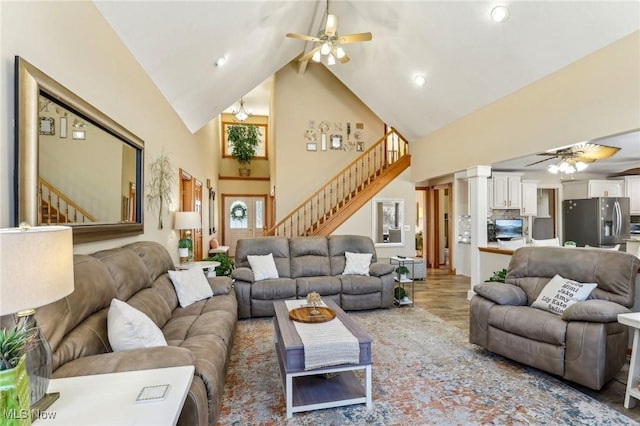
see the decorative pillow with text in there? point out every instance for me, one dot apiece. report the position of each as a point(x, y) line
point(560, 293)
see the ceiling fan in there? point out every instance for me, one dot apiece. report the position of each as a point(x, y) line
point(576, 157)
point(329, 42)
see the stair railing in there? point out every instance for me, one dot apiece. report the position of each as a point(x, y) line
point(57, 208)
point(326, 202)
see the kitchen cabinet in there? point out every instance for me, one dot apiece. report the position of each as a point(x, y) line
point(506, 191)
point(632, 190)
point(529, 199)
point(592, 189)
point(489, 197)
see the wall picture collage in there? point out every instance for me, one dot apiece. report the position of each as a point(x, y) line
point(342, 136)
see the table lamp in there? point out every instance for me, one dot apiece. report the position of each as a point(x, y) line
point(186, 221)
point(36, 268)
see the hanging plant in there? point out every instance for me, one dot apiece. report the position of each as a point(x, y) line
point(238, 212)
point(159, 186)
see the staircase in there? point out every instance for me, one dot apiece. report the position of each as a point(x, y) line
point(349, 190)
point(56, 208)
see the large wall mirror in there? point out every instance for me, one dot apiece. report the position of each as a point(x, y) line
point(75, 165)
point(388, 222)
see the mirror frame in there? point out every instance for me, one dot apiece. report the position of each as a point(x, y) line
point(375, 218)
point(30, 82)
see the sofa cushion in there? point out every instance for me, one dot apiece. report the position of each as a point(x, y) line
point(324, 286)
point(357, 263)
point(277, 246)
point(191, 285)
point(529, 322)
point(360, 284)
point(532, 267)
point(154, 256)
point(220, 285)
point(594, 311)
point(281, 288)
point(560, 293)
point(129, 329)
point(339, 244)
point(129, 272)
point(309, 257)
point(502, 294)
point(263, 267)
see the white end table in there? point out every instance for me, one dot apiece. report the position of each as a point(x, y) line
point(633, 393)
point(110, 399)
point(211, 265)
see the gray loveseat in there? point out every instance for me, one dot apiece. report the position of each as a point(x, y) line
point(308, 264)
point(199, 334)
point(585, 344)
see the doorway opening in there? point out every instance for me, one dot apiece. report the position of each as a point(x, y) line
point(190, 190)
point(438, 247)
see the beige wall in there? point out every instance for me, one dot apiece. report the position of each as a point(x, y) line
point(96, 66)
point(315, 95)
point(596, 96)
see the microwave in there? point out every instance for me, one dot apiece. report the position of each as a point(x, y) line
point(634, 228)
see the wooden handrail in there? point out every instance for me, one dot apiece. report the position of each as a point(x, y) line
point(70, 207)
point(343, 187)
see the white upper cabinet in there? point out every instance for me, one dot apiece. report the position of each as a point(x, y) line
point(593, 189)
point(632, 190)
point(529, 199)
point(506, 191)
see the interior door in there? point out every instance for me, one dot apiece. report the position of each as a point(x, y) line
point(244, 217)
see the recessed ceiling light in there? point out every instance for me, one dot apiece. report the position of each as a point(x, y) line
point(220, 61)
point(420, 80)
point(500, 13)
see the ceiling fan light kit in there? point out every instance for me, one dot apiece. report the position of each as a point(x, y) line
point(576, 158)
point(328, 42)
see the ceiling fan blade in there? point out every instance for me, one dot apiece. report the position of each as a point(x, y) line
point(541, 161)
point(592, 151)
point(303, 37)
point(354, 38)
point(344, 59)
point(309, 54)
point(332, 25)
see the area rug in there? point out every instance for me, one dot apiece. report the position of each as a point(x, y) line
point(424, 373)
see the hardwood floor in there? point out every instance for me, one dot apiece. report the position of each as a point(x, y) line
point(445, 295)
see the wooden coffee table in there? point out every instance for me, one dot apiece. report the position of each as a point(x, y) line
point(307, 390)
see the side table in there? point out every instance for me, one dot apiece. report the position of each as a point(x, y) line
point(633, 393)
point(211, 265)
point(403, 261)
point(110, 399)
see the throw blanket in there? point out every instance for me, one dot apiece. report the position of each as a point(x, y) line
point(327, 343)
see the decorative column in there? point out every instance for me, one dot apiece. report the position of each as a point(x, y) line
point(478, 194)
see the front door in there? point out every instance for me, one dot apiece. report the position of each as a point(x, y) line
point(244, 217)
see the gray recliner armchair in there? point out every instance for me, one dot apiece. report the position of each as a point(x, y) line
point(585, 344)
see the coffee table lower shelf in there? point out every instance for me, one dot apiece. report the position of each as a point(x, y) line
point(311, 390)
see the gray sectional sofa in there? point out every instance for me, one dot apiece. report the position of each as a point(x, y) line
point(585, 344)
point(310, 264)
point(200, 334)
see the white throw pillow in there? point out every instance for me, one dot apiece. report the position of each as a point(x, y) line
point(357, 263)
point(560, 293)
point(129, 329)
point(263, 267)
point(191, 285)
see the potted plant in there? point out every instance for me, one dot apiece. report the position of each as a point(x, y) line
point(244, 142)
point(15, 342)
point(402, 272)
point(498, 276)
point(226, 264)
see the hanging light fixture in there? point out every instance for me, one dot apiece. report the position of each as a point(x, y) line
point(241, 114)
point(567, 166)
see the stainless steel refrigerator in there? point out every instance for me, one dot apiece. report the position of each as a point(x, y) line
point(596, 222)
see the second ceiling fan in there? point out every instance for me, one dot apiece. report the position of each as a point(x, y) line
point(329, 42)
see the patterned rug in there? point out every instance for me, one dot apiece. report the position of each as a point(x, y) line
point(424, 373)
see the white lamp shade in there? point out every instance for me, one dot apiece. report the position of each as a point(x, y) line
point(36, 267)
point(187, 220)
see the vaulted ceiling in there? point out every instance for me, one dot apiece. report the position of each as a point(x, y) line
point(467, 59)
